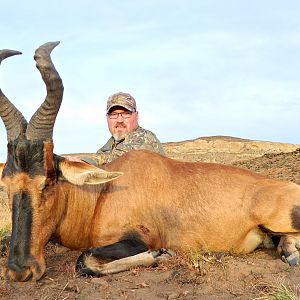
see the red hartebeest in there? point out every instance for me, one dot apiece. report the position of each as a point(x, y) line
point(157, 203)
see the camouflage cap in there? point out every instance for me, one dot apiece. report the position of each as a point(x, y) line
point(121, 99)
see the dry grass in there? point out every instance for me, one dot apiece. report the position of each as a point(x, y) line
point(202, 261)
point(277, 290)
point(198, 261)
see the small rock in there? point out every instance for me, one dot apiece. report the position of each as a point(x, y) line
point(173, 296)
point(99, 281)
point(72, 288)
point(59, 249)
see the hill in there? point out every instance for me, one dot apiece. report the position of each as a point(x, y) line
point(224, 149)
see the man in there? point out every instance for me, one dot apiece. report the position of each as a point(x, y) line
point(122, 120)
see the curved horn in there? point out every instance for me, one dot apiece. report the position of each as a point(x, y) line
point(7, 53)
point(13, 120)
point(42, 122)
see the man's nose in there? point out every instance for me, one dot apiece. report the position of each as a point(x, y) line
point(120, 118)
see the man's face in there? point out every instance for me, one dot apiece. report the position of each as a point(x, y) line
point(121, 121)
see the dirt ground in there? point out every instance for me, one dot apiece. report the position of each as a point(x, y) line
point(207, 276)
point(217, 276)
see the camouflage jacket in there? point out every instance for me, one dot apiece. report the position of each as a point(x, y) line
point(138, 139)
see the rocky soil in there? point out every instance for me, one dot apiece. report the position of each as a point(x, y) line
point(284, 166)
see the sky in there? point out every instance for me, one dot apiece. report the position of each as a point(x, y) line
point(196, 67)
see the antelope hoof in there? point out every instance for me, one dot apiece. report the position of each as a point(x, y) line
point(162, 251)
point(292, 259)
point(81, 267)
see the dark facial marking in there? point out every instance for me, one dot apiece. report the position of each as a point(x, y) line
point(295, 217)
point(21, 233)
point(24, 156)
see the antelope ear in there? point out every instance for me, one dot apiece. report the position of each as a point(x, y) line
point(80, 173)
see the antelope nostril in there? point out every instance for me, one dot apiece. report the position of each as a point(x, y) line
point(29, 276)
point(24, 276)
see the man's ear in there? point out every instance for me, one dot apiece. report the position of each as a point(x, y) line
point(137, 116)
point(80, 173)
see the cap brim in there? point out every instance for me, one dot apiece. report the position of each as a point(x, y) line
point(125, 106)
